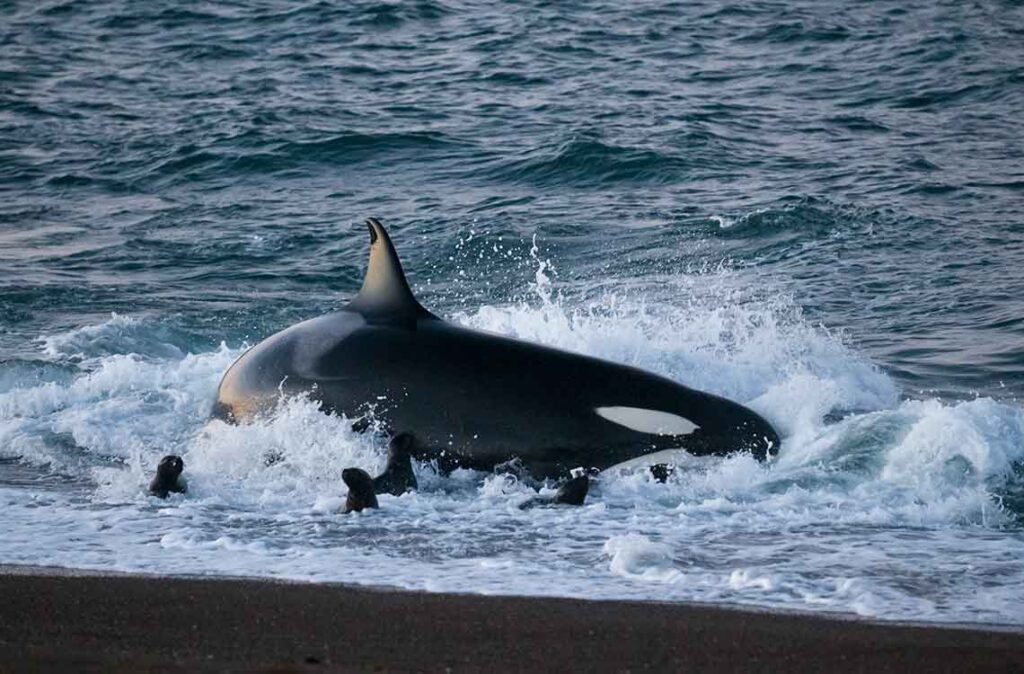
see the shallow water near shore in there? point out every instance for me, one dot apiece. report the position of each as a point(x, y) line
point(812, 210)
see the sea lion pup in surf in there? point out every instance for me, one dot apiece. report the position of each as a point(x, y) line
point(397, 477)
point(168, 477)
point(360, 490)
point(475, 398)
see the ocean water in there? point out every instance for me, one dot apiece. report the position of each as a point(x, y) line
point(814, 208)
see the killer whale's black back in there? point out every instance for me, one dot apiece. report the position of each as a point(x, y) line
point(482, 398)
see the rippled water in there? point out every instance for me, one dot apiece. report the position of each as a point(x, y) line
point(813, 208)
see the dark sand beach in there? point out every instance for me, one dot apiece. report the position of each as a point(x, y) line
point(52, 620)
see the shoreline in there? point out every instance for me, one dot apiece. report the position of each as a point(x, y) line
point(759, 609)
point(57, 619)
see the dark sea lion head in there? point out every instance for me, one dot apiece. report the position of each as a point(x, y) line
point(170, 466)
point(356, 478)
point(574, 491)
point(401, 446)
point(398, 476)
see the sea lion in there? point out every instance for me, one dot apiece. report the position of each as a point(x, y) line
point(168, 477)
point(572, 492)
point(397, 477)
point(360, 490)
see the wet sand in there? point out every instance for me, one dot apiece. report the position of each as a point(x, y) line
point(53, 620)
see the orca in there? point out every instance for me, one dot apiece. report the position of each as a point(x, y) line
point(476, 399)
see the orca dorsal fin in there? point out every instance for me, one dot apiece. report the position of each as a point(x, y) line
point(385, 295)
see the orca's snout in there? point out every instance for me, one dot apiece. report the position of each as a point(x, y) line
point(758, 436)
point(735, 429)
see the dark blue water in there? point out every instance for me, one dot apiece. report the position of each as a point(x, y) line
point(854, 169)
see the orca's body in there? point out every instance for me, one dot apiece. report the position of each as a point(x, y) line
point(482, 399)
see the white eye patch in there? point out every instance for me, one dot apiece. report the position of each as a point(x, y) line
point(643, 420)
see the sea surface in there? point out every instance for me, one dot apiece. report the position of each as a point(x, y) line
point(813, 208)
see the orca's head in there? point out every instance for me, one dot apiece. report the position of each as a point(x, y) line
point(735, 428)
point(757, 436)
point(718, 426)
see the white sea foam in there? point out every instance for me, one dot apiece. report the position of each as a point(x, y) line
point(892, 511)
point(636, 557)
